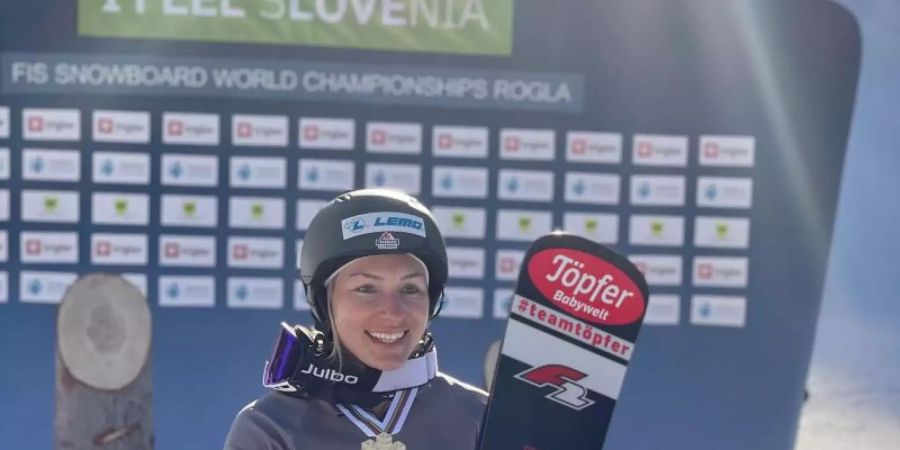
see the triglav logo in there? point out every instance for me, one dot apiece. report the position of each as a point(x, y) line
point(269, 131)
point(4, 122)
point(507, 264)
point(190, 129)
point(385, 137)
point(49, 247)
point(523, 144)
point(119, 249)
point(51, 124)
point(255, 252)
point(466, 262)
point(460, 142)
point(194, 251)
point(660, 150)
point(329, 134)
point(121, 126)
point(594, 147)
point(659, 270)
point(727, 151)
point(715, 271)
point(562, 379)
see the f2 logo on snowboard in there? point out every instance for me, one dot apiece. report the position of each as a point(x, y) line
point(563, 379)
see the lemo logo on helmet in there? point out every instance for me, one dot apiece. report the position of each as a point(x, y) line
point(382, 222)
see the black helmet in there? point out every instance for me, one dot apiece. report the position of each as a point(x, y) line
point(369, 222)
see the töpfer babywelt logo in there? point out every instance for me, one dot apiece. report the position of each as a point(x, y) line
point(586, 287)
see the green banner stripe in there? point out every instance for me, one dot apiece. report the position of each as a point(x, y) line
point(445, 26)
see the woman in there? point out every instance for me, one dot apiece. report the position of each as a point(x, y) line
point(374, 267)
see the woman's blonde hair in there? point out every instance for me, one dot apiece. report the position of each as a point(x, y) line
point(336, 353)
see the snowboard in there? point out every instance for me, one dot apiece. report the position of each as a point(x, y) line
point(574, 319)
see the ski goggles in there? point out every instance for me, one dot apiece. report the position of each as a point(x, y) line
point(297, 365)
point(288, 351)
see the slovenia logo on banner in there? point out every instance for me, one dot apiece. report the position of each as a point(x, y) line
point(445, 26)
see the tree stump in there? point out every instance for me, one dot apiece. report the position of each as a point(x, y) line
point(103, 372)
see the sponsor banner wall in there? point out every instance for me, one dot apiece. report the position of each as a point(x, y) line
point(188, 144)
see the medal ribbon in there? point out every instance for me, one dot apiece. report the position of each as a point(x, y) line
point(393, 420)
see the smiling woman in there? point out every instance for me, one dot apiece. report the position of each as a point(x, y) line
point(373, 266)
point(379, 308)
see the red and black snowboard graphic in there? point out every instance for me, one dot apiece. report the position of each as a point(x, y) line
point(576, 313)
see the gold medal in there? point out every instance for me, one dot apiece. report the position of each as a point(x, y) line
point(380, 430)
point(383, 441)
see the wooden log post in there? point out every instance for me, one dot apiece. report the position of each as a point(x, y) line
point(103, 371)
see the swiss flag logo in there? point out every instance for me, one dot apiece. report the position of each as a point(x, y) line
point(103, 248)
point(579, 146)
point(105, 125)
point(244, 130)
point(445, 141)
point(176, 128)
point(172, 250)
point(379, 137)
point(711, 150)
point(239, 251)
point(32, 247)
point(512, 144)
point(311, 132)
point(645, 149)
point(705, 271)
point(35, 123)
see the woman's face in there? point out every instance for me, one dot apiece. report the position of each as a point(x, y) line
point(380, 308)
